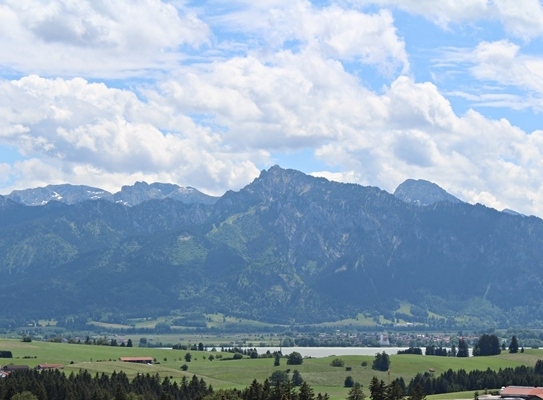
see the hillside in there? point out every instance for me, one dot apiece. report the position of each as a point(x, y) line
point(286, 248)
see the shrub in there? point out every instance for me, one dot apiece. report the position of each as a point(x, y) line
point(184, 367)
point(349, 381)
point(337, 362)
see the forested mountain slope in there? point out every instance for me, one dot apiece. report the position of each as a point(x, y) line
point(287, 247)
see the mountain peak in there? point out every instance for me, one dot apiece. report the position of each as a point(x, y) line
point(423, 193)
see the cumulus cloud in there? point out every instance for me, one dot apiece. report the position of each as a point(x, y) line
point(341, 34)
point(338, 33)
point(90, 128)
point(95, 38)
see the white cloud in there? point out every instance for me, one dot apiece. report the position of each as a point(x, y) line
point(335, 32)
point(342, 34)
point(287, 101)
point(503, 64)
point(523, 19)
point(84, 128)
point(95, 38)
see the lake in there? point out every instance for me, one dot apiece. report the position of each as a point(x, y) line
point(332, 351)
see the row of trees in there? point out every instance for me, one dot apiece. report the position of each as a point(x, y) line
point(489, 345)
point(432, 350)
point(83, 386)
point(458, 381)
point(34, 385)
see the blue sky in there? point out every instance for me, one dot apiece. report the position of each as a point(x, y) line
point(207, 94)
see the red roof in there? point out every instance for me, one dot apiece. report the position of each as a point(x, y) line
point(49, 366)
point(522, 391)
point(136, 359)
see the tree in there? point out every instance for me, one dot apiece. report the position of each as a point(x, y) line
point(295, 358)
point(305, 392)
point(184, 367)
point(377, 389)
point(417, 393)
point(538, 369)
point(278, 378)
point(513, 346)
point(211, 357)
point(463, 349)
point(297, 379)
point(381, 362)
point(356, 393)
point(394, 391)
point(277, 360)
point(120, 394)
point(188, 357)
point(129, 343)
point(349, 382)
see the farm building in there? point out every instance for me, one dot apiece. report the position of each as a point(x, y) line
point(141, 360)
point(49, 366)
point(522, 392)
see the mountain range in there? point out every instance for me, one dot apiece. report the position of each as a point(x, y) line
point(128, 195)
point(286, 248)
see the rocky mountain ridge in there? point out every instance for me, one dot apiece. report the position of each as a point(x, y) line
point(419, 192)
point(128, 195)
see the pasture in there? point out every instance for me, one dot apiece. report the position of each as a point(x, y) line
point(239, 373)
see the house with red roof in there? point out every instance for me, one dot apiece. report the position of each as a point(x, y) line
point(522, 392)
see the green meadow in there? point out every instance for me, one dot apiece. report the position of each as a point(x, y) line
point(239, 373)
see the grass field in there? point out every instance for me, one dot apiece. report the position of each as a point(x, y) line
point(239, 373)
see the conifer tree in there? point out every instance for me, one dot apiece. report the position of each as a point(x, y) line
point(513, 346)
point(463, 349)
point(305, 392)
point(377, 389)
point(356, 393)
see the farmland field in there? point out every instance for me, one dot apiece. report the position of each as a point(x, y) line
point(239, 373)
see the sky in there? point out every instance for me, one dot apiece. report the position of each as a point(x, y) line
point(209, 93)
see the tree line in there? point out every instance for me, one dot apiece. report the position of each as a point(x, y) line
point(53, 384)
point(82, 386)
point(458, 381)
